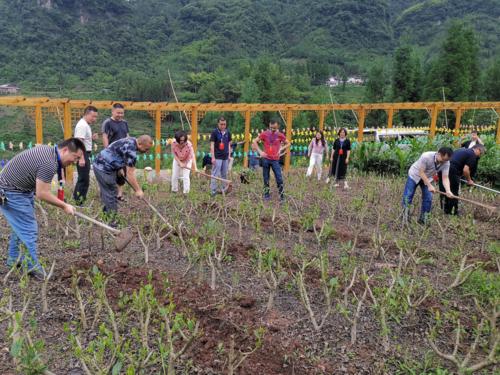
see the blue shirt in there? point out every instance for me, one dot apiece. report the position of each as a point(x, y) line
point(119, 154)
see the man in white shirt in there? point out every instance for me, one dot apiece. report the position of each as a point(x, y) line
point(421, 174)
point(83, 131)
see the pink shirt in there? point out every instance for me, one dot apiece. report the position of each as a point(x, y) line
point(184, 153)
point(317, 148)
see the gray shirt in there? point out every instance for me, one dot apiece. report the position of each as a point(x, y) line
point(430, 165)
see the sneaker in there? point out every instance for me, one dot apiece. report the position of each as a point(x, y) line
point(213, 193)
point(37, 274)
point(327, 180)
point(346, 186)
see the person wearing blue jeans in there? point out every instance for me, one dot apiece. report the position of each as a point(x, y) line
point(421, 173)
point(28, 173)
point(275, 144)
point(267, 165)
point(220, 149)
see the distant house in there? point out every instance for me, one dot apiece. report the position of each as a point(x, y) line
point(9, 88)
point(337, 81)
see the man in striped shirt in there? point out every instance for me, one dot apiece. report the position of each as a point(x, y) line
point(28, 174)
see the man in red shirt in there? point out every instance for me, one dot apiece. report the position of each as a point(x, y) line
point(274, 144)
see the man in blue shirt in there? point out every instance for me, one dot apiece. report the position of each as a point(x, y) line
point(109, 164)
point(220, 149)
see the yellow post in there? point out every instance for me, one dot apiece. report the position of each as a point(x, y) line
point(194, 128)
point(67, 134)
point(458, 115)
point(157, 141)
point(498, 128)
point(361, 123)
point(39, 124)
point(390, 118)
point(289, 120)
point(246, 146)
point(321, 120)
point(434, 116)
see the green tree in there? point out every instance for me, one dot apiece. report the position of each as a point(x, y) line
point(406, 81)
point(375, 93)
point(492, 82)
point(456, 70)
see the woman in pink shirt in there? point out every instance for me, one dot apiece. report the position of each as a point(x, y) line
point(317, 148)
point(183, 158)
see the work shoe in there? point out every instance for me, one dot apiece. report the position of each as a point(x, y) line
point(37, 274)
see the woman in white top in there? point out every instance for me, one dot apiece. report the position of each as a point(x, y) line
point(317, 148)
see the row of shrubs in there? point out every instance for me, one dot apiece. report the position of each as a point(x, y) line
point(395, 159)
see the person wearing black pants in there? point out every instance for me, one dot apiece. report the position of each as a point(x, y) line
point(83, 182)
point(83, 131)
point(462, 163)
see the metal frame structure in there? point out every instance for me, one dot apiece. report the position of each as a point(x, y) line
point(197, 110)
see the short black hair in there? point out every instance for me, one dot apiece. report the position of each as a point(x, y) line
point(73, 144)
point(89, 109)
point(118, 105)
point(180, 134)
point(274, 120)
point(221, 118)
point(446, 151)
point(344, 129)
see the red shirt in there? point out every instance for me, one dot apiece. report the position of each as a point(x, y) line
point(272, 143)
point(182, 153)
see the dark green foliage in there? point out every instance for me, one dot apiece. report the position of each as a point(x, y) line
point(492, 82)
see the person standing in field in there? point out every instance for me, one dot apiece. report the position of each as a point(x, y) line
point(26, 175)
point(317, 148)
point(114, 129)
point(83, 132)
point(422, 173)
point(275, 143)
point(220, 149)
point(339, 158)
point(184, 161)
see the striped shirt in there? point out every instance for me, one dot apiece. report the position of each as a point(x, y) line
point(20, 173)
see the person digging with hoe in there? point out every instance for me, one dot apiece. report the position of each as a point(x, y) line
point(108, 169)
point(27, 175)
point(421, 173)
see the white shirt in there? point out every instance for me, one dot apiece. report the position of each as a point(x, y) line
point(84, 132)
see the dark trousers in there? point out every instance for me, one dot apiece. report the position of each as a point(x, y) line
point(267, 165)
point(450, 206)
point(82, 185)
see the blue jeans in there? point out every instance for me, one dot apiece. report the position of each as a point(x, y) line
point(410, 188)
point(219, 169)
point(19, 211)
point(268, 164)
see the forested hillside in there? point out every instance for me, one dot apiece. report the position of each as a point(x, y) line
point(88, 43)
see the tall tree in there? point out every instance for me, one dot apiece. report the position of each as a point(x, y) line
point(492, 82)
point(456, 70)
point(406, 81)
point(375, 93)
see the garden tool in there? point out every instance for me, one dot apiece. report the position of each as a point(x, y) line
point(153, 208)
point(482, 187)
point(229, 183)
point(123, 237)
point(488, 207)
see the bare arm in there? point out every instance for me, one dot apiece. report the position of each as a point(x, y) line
point(347, 157)
point(212, 151)
point(133, 181)
point(446, 184)
point(467, 175)
point(255, 146)
point(427, 182)
point(105, 140)
point(43, 193)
